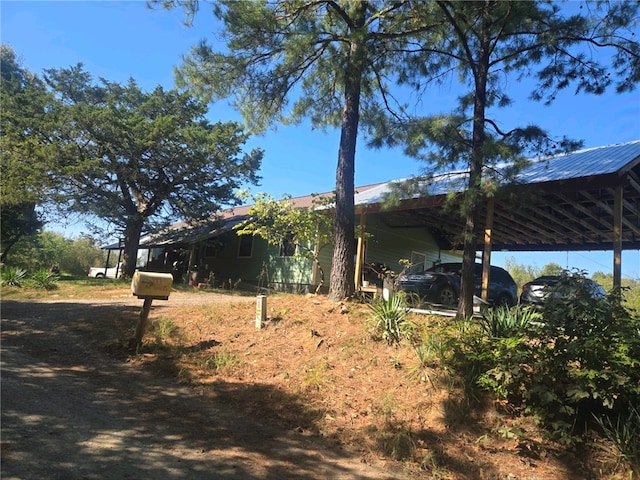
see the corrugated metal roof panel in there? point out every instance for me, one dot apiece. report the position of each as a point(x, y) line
point(583, 163)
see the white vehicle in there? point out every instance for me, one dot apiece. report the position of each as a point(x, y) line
point(101, 272)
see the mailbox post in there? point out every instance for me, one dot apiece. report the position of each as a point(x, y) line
point(149, 286)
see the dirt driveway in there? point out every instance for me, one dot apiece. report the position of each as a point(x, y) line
point(71, 411)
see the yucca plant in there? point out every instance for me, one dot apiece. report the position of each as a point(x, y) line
point(390, 316)
point(503, 321)
point(12, 276)
point(44, 279)
point(624, 433)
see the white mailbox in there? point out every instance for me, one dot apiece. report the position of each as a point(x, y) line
point(151, 285)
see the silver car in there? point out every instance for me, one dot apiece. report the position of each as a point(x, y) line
point(536, 292)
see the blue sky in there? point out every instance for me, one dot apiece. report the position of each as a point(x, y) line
point(122, 40)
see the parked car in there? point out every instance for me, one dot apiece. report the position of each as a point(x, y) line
point(536, 292)
point(440, 284)
point(100, 272)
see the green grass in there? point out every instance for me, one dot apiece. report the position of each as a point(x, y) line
point(222, 362)
point(87, 288)
point(67, 288)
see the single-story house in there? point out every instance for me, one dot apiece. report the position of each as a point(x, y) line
point(214, 253)
point(585, 200)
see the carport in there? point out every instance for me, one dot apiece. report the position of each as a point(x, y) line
point(585, 200)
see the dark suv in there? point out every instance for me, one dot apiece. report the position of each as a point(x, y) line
point(440, 284)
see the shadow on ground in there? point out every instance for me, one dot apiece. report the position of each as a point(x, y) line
point(69, 411)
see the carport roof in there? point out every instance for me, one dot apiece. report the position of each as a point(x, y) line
point(586, 163)
point(563, 202)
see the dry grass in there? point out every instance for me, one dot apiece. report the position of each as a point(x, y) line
point(329, 377)
point(314, 367)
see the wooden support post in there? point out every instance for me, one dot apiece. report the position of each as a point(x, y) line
point(314, 271)
point(359, 254)
point(192, 260)
point(118, 269)
point(486, 255)
point(617, 240)
point(261, 311)
point(106, 265)
point(136, 341)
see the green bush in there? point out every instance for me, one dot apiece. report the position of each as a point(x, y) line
point(44, 279)
point(589, 353)
point(485, 358)
point(580, 358)
point(46, 249)
point(389, 318)
point(12, 276)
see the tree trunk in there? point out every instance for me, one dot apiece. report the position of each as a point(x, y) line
point(341, 284)
point(5, 251)
point(132, 233)
point(467, 288)
point(474, 195)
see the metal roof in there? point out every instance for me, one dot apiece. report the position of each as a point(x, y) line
point(611, 159)
point(583, 163)
point(559, 203)
point(184, 235)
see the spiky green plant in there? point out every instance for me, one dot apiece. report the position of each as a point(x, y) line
point(504, 321)
point(44, 279)
point(389, 316)
point(12, 276)
point(624, 433)
point(433, 352)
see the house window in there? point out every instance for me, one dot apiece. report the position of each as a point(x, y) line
point(212, 248)
point(246, 246)
point(287, 246)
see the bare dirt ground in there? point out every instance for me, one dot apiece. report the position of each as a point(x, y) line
point(209, 396)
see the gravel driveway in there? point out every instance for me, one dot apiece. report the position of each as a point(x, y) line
point(70, 411)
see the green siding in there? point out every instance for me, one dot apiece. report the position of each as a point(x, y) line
point(390, 245)
point(263, 268)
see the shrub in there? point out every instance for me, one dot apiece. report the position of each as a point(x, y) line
point(389, 318)
point(12, 276)
point(590, 355)
point(44, 279)
point(582, 358)
point(504, 321)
